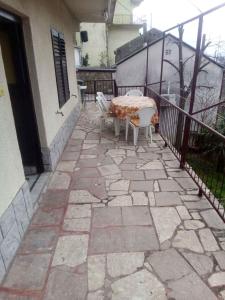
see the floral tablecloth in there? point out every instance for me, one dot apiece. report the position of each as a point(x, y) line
point(124, 106)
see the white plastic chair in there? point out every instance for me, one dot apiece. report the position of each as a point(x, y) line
point(144, 121)
point(134, 93)
point(105, 115)
point(105, 102)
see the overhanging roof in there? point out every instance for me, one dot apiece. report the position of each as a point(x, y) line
point(95, 11)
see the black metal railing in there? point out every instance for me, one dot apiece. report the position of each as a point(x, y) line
point(107, 86)
point(199, 148)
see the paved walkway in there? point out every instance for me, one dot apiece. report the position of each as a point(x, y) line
point(119, 222)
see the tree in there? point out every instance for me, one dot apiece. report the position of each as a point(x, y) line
point(185, 89)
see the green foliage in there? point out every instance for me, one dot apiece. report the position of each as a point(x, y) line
point(85, 60)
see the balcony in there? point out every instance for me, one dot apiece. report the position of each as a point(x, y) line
point(127, 20)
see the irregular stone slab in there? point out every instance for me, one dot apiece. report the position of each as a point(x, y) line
point(78, 211)
point(177, 174)
point(155, 174)
point(136, 216)
point(166, 220)
point(202, 204)
point(96, 271)
point(28, 272)
point(169, 185)
point(193, 224)
point(66, 285)
point(86, 173)
point(77, 224)
point(121, 185)
point(66, 166)
point(187, 183)
point(59, 181)
point(183, 212)
point(167, 199)
point(127, 167)
point(71, 250)
point(98, 295)
point(220, 258)
point(190, 198)
point(169, 264)
point(109, 169)
point(141, 186)
point(140, 238)
point(116, 152)
point(39, 239)
point(196, 216)
point(131, 153)
point(140, 285)
point(54, 199)
point(217, 279)
point(118, 160)
point(187, 239)
point(89, 146)
point(84, 156)
point(151, 198)
point(70, 156)
point(48, 217)
point(124, 200)
point(212, 219)
point(139, 198)
point(133, 175)
point(148, 156)
point(107, 216)
point(120, 264)
point(78, 134)
point(208, 241)
point(201, 263)
point(107, 240)
point(122, 239)
point(82, 196)
point(95, 186)
point(154, 165)
point(190, 287)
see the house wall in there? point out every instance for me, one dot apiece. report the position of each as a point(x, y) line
point(132, 71)
point(16, 204)
point(119, 35)
point(96, 45)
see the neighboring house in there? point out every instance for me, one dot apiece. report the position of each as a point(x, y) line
point(39, 101)
point(104, 39)
point(209, 82)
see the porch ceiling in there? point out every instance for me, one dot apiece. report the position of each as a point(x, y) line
point(92, 11)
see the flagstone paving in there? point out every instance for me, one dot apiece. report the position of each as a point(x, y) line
point(119, 222)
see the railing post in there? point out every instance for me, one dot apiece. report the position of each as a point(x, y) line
point(115, 88)
point(161, 69)
point(184, 147)
point(95, 89)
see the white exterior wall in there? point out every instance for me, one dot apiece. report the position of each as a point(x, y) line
point(11, 169)
point(96, 45)
point(43, 82)
point(132, 71)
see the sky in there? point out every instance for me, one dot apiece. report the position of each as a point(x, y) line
point(163, 14)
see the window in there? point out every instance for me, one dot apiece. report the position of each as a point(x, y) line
point(168, 51)
point(59, 53)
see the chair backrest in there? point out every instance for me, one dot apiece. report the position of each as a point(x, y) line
point(104, 101)
point(145, 116)
point(134, 93)
point(100, 105)
point(101, 95)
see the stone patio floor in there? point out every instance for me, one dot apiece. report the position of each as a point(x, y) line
point(119, 222)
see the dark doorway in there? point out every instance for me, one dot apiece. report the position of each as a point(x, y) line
point(14, 58)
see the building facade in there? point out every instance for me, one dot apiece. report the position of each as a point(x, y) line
point(104, 39)
point(39, 102)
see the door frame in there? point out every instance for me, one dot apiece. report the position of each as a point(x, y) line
point(11, 17)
